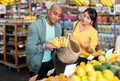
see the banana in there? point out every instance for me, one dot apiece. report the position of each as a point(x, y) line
point(53, 0)
point(103, 2)
point(3, 2)
point(77, 2)
point(12, 1)
point(107, 3)
point(84, 2)
point(59, 42)
point(6, 2)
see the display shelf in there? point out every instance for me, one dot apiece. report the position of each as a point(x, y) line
point(108, 29)
point(14, 44)
point(1, 44)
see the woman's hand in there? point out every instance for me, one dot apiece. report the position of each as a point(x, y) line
point(84, 45)
point(87, 47)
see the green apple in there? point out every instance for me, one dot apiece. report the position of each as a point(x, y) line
point(84, 78)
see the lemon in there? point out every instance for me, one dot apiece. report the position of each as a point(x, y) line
point(93, 62)
point(82, 64)
point(101, 79)
point(109, 75)
point(101, 59)
point(89, 67)
point(92, 76)
point(99, 74)
point(80, 71)
point(115, 78)
point(75, 77)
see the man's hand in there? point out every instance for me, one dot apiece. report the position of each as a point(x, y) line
point(48, 46)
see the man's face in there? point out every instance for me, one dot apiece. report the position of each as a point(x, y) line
point(54, 15)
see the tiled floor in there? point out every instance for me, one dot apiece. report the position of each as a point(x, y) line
point(12, 74)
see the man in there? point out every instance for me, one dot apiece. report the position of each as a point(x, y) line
point(40, 32)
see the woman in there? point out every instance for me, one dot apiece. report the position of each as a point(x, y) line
point(85, 34)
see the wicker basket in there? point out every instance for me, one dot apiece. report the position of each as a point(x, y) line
point(70, 54)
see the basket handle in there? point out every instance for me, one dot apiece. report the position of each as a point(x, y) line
point(69, 36)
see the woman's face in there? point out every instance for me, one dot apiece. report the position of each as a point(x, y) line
point(86, 19)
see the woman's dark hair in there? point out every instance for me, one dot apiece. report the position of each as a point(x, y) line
point(93, 16)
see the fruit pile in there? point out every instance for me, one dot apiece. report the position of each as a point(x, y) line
point(30, 18)
point(59, 42)
point(82, 2)
point(6, 2)
point(107, 3)
point(51, 0)
point(102, 69)
point(89, 72)
point(108, 66)
point(111, 58)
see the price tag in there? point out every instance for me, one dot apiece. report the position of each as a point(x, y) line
point(109, 52)
point(118, 51)
point(50, 72)
point(69, 69)
point(20, 46)
point(90, 57)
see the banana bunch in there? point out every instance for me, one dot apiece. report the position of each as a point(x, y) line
point(113, 57)
point(59, 42)
point(51, 0)
point(6, 2)
point(82, 2)
point(107, 3)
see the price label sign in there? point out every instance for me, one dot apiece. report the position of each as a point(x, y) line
point(2, 9)
point(69, 69)
point(109, 52)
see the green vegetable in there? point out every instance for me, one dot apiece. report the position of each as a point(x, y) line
point(114, 70)
point(100, 67)
point(107, 65)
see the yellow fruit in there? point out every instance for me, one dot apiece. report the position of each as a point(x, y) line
point(77, 2)
point(82, 2)
point(59, 42)
point(108, 3)
point(75, 78)
point(115, 78)
point(101, 59)
point(101, 79)
point(82, 64)
point(3, 2)
point(80, 71)
point(89, 67)
point(99, 74)
point(109, 75)
point(94, 62)
point(91, 78)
